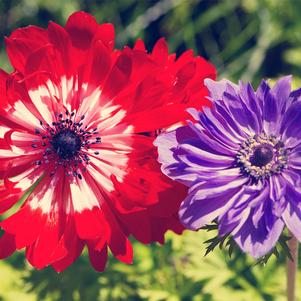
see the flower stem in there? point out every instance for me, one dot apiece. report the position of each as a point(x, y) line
point(292, 267)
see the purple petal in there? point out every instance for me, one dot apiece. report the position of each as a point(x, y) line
point(229, 122)
point(294, 96)
point(295, 158)
point(217, 88)
point(249, 97)
point(219, 128)
point(260, 232)
point(292, 213)
point(166, 142)
point(291, 122)
point(217, 91)
point(241, 113)
point(281, 92)
point(185, 160)
point(252, 196)
point(187, 150)
point(208, 142)
point(208, 200)
point(291, 177)
point(261, 93)
point(227, 95)
point(292, 218)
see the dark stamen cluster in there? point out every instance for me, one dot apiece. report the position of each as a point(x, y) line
point(262, 156)
point(64, 141)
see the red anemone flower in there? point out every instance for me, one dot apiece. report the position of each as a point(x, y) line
point(75, 117)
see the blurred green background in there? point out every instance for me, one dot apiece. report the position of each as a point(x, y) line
point(245, 39)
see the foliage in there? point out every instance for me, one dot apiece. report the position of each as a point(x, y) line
point(177, 271)
point(227, 243)
point(246, 39)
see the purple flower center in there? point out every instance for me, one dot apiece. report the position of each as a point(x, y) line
point(66, 144)
point(262, 155)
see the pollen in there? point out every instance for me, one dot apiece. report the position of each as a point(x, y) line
point(261, 156)
point(66, 142)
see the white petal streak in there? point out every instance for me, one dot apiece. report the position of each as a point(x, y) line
point(84, 195)
point(110, 165)
point(26, 179)
point(43, 196)
point(3, 130)
point(39, 97)
point(204, 154)
point(89, 104)
point(102, 177)
point(120, 143)
point(205, 191)
point(67, 90)
point(23, 116)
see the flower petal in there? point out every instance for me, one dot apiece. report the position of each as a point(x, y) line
point(207, 201)
point(258, 239)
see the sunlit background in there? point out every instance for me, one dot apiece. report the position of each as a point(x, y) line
point(245, 40)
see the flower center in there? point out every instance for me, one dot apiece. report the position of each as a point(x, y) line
point(261, 156)
point(66, 144)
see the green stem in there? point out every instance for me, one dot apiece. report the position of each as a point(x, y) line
point(292, 267)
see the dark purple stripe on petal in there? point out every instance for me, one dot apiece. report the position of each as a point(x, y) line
point(241, 113)
point(281, 92)
point(249, 97)
point(259, 234)
point(195, 213)
point(207, 142)
point(207, 200)
point(219, 129)
point(292, 218)
point(291, 122)
point(261, 93)
point(234, 218)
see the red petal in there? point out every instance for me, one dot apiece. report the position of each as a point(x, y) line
point(41, 66)
point(74, 250)
point(157, 118)
point(61, 42)
point(119, 76)
point(8, 196)
point(22, 43)
point(148, 95)
point(88, 225)
point(138, 224)
point(81, 28)
point(25, 225)
point(118, 243)
point(139, 45)
point(160, 52)
point(46, 249)
point(72, 244)
point(98, 259)
point(99, 63)
point(9, 201)
point(105, 33)
point(7, 245)
point(3, 82)
point(185, 74)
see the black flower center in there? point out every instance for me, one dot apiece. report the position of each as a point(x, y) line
point(262, 155)
point(66, 144)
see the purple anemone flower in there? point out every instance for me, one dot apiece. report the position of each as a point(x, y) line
point(241, 159)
